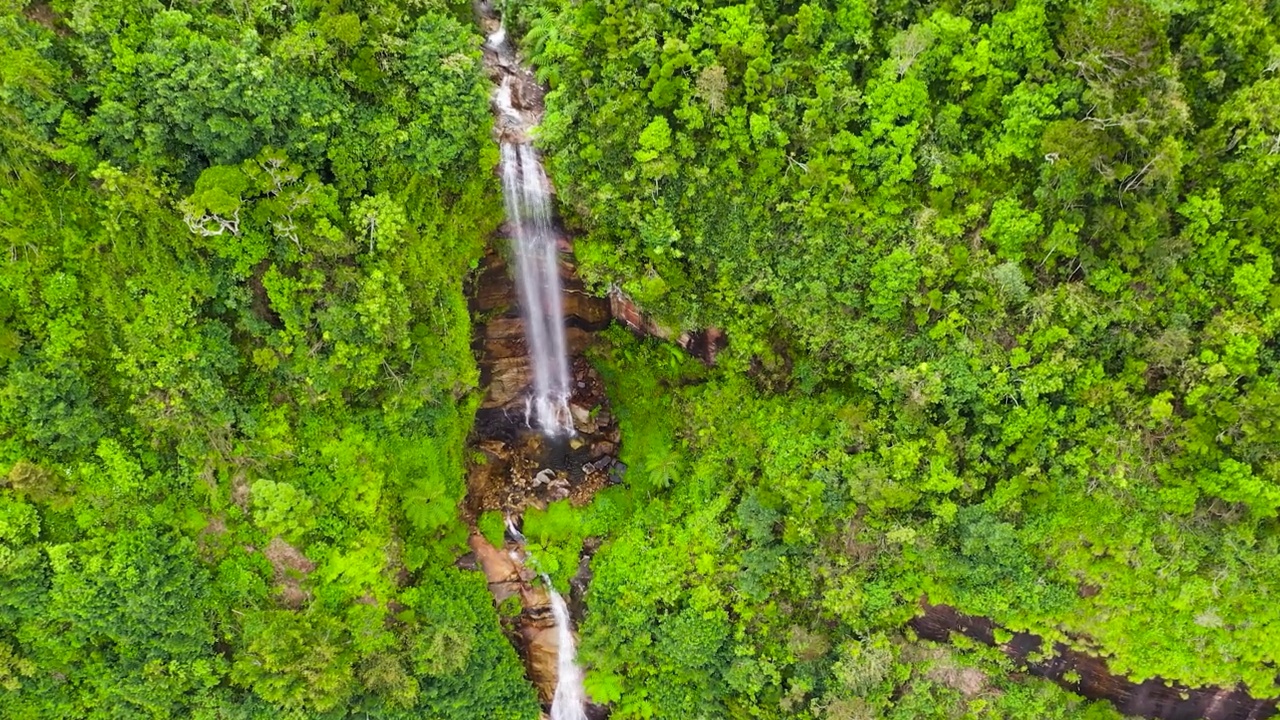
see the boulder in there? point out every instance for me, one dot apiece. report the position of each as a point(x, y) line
point(544, 477)
point(581, 415)
point(541, 658)
point(500, 569)
point(504, 328)
point(493, 290)
point(577, 339)
point(587, 308)
point(509, 377)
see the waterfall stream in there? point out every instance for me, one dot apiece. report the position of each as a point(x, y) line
point(526, 194)
point(570, 700)
point(527, 197)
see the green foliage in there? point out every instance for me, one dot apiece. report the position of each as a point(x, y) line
point(281, 509)
point(998, 279)
point(998, 282)
point(296, 662)
point(764, 584)
point(469, 669)
point(235, 373)
point(493, 527)
point(558, 522)
point(555, 538)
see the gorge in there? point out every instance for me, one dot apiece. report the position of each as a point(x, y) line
point(805, 360)
point(549, 416)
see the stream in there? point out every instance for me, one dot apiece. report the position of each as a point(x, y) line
point(553, 436)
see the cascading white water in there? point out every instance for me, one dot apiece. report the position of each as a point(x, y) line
point(514, 532)
point(497, 39)
point(527, 195)
point(570, 700)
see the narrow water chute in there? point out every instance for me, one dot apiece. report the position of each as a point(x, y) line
point(570, 700)
point(527, 196)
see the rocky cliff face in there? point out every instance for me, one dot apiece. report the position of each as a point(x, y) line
point(514, 466)
point(702, 344)
point(1089, 676)
point(521, 467)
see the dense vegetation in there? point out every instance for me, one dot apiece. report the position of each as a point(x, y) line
point(998, 281)
point(709, 600)
point(234, 361)
point(998, 278)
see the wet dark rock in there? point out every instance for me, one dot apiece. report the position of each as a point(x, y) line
point(1151, 698)
point(618, 473)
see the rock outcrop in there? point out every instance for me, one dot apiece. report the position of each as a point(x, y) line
point(702, 344)
point(534, 631)
point(1089, 676)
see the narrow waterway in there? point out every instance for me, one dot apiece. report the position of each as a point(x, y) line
point(526, 194)
point(535, 257)
point(570, 701)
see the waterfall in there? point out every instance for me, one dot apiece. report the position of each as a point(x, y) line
point(570, 699)
point(569, 702)
point(497, 39)
point(514, 532)
point(526, 193)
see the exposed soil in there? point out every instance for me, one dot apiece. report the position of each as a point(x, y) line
point(240, 491)
point(292, 568)
point(41, 12)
